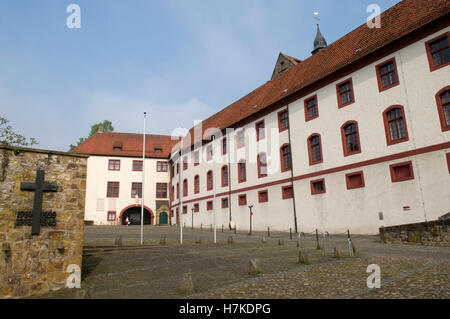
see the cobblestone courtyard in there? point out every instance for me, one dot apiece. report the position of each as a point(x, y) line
point(221, 270)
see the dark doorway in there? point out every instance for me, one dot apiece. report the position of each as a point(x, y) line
point(163, 218)
point(134, 216)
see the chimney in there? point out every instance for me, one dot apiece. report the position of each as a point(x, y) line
point(100, 129)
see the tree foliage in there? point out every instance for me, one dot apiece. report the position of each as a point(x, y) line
point(107, 127)
point(10, 138)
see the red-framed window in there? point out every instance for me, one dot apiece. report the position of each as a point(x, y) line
point(285, 157)
point(171, 213)
point(260, 130)
point(185, 187)
point(172, 168)
point(448, 161)
point(242, 171)
point(112, 189)
point(136, 190)
point(350, 138)
point(242, 200)
point(185, 209)
point(196, 208)
point(315, 149)
point(209, 181)
point(354, 180)
point(196, 158)
point(401, 172)
point(137, 166)
point(111, 217)
point(178, 190)
point(345, 93)
point(224, 174)
point(283, 120)
point(224, 146)
point(209, 152)
point(209, 205)
point(161, 190)
point(262, 165)
point(240, 138)
point(311, 108)
point(225, 202)
point(172, 194)
point(178, 213)
point(287, 192)
point(161, 166)
point(263, 196)
point(318, 186)
point(178, 168)
point(395, 125)
point(114, 165)
point(443, 105)
point(185, 163)
point(196, 184)
point(387, 75)
point(438, 51)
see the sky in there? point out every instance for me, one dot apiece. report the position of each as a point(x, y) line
point(178, 60)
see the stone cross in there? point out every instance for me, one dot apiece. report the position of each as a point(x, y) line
point(39, 187)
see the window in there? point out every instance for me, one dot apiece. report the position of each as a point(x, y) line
point(395, 125)
point(171, 213)
point(287, 192)
point(283, 120)
point(185, 187)
point(196, 208)
point(443, 104)
point(262, 165)
point(172, 171)
point(196, 158)
point(178, 190)
point(136, 190)
point(438, 52)
point(354, 180)
point(209, 180)
point(260, 131)
point(114, 165)
point(242, 176)
point(350, 138)
point(161, 190)
point(224, 146)
point(209, 152)
point(387, 75)
point(315, 149)
point(161, 166)
point(137, 166)
point(172, 193)
point(242, 200)
point(185, 163)
point(401, 172)
point(345, 93)
point(225, 202)
point(184, 209)
point(240, 139)
point(318, 187)
point(111, 216)
point(157, 150)
point(209, 205)
point(117, 146)
point(112, 190)
point(196, 184)
point(263, 196)
point(286, 158)
point(224, 176)
point(178, 168)
point(311, 108)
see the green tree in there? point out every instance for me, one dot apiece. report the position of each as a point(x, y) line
point(10, 138)
point(107, 127)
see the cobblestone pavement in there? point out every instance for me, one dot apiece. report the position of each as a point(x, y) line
point(221, 270)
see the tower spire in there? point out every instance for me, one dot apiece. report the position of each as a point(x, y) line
point(319, 41)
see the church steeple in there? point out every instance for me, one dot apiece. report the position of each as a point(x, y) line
point(319, 41)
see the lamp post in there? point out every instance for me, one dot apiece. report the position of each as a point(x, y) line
point(192, 209)
point(251, 214)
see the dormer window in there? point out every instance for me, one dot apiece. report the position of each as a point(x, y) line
point(117, 146)
point(157, 150)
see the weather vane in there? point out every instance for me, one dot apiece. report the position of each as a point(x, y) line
point(316, 16)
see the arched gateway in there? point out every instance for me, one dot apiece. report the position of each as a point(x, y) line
point(134, 215)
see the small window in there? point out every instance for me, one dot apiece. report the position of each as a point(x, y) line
point(111, 216)
point(318, 187)
point(117, 146)
point(161, 190)
point(196, 208)
point(178, 168)
point(242, 200)
point(137, 166)
point(114, 165)
point(315, 149)
point(209, 205)
point(350, 138)
point(172, 193)
point(443, 104)
point(242, 174)
point(172, 174)
point(395, 125)
point(178, 190)
point(345, 93)
point(387, 75)
point(157, 150)
point(161, 166)
point(185, 187)
point(287, 192)
point(225, 176)
point(354, 180)
point(209, 180)
point(283, 120)
point(136, 190)
point(260, 131)
point(196, 184)
point(311, 108)
point(224, 146)
point(225, 202)
point(184, 209)
point(438, 52)
point(286, 158)
point(263, 196)
point(401, 172)
point(196, 158)
point(240, 139)
point(262, 165)
point(112, 190)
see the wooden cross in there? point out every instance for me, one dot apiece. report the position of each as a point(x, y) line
point(39, 187)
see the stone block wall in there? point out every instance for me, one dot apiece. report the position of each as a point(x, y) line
point(37, 264)
point(433, 233)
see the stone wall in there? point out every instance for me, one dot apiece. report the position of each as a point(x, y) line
point(433, 233)
point(37, 264)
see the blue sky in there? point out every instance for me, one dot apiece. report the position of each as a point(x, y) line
point(179, 60)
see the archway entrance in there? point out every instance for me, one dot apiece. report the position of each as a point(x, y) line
point(134, 216)
point(163, 218)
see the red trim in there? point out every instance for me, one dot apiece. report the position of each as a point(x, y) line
point(448, 161)
point(430, 57)
point(313, 191)
point(387, 130)
point(283, 164)
point(380, 83)
point(242, 161)
point(224, 180)
point(349, 175)
point(185, 187)
point(109, 165)
point(164, 166)
point(338, 92)
point(137, 189)
point(196, 208)
point(118, 189)
point(344, 139)
point(280, 128)
point(196, 184)
point(133, 166)
point(145, 207)
point(163, 187)
point(311, 162)
point(444, 126)
point(208, 187)
point(307, 118)
point(395, 178)
point(110, 212)
point(223, 200)
point(242, 199)
point(285, 194)
point(261, 195)
point(178, 190)
point(207, 205)
point(258, 160)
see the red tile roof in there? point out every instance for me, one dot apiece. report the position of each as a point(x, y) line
point(396, 22)
point(104, 143)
